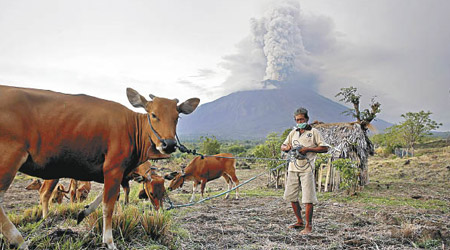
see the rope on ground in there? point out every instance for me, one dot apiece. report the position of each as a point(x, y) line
point(217, 195)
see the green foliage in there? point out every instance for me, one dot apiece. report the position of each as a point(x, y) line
point(269, 149)
point(390, 140)
point(416, 127)
point(321, 159)
point(236, 149)
point(350, 95)
point(210, 146)
point(349, 174)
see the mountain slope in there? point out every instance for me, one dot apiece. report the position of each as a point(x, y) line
point(253, 114)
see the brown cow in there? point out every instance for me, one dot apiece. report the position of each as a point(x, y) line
point(79, 190)
point(48, 187)
point(153, 184)
point(57, 194)
point(52, 135)
point(207, 169)
point(153, 187)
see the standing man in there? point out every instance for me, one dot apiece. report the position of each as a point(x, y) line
point(300, 171)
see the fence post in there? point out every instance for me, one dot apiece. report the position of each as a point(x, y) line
point(327, 180)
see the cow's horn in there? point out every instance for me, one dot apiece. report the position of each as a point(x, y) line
point(152, 96)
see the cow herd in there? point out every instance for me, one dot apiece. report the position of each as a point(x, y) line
point(51, 135)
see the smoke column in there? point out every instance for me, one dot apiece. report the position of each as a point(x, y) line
point(279, 36)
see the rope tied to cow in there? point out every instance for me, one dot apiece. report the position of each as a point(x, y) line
point(288, 157)
point(172, 206)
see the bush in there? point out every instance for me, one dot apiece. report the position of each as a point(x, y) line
point(349, 174)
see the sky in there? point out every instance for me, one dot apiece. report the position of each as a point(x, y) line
point(397, 52)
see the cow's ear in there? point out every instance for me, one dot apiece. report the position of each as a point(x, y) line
point(188, 106)
point(170, 176)
point(136, 99)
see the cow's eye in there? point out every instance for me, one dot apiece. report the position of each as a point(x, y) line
point(154, 116)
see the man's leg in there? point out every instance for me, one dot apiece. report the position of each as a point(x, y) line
point(308, 218)
point(308, 198)
point(291, 194)
point(298, 214)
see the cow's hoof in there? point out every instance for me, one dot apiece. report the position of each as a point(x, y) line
point(81, 216)
point(20, 246)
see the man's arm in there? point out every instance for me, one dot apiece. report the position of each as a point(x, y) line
point(285, 147)
point(319, 149)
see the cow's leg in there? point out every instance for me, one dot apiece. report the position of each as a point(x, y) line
point(90, 208)
point(126, 191)
point(194, 188)
point(236, 182)
point(203, 186)
point(11, 160)
point(229, 182)
point(45, 193)
point(112, 177)
point(73, 187)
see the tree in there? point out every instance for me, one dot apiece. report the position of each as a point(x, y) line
point(350, 95)
point(236, 149)
point(271, 149)
point(416, 127)
point(210, 146)
point(390, 139)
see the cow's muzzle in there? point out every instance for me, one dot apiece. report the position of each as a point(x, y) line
point(168, 145)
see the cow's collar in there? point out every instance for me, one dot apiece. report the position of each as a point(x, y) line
point(153, 130)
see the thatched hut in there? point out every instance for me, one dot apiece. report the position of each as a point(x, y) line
point(349, 140)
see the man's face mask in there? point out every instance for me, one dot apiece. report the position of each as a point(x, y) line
point(302, 125)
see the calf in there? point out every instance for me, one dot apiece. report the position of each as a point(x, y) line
point(47, 192)
point(201, 170)
point(153, 184)
point(153, 188)
point(79, 190)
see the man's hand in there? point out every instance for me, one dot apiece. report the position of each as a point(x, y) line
point(304, 150)
point(285, 147)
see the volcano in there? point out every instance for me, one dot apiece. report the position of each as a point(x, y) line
point(254, 114)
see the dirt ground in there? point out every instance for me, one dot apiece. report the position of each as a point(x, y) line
point(262, 223)
point(260, 218)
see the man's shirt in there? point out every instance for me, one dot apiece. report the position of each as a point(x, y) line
point(309, 138)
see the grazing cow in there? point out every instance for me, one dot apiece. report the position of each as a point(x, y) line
point(207, 169)
point(48, 192)
point(79, 190)
point(52, 135)
point(56, 196)
point(153, 187)
point(153, 184)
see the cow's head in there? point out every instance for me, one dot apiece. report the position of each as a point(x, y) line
point(58, 194)
point(163, 117)
point(177, 181)
point(82, 193)
point(34, 185)
point(154, 189)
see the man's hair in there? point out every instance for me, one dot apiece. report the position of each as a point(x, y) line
point(302, 111)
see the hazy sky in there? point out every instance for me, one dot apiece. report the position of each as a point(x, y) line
point(398, 51)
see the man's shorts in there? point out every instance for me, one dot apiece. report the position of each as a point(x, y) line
point(308, 186)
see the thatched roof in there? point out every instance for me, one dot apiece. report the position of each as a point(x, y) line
point(346, 140)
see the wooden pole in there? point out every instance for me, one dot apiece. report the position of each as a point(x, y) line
point(327, 180)
point(319, 178)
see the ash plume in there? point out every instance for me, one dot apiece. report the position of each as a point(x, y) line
point(279, 34)
point(280, 50)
